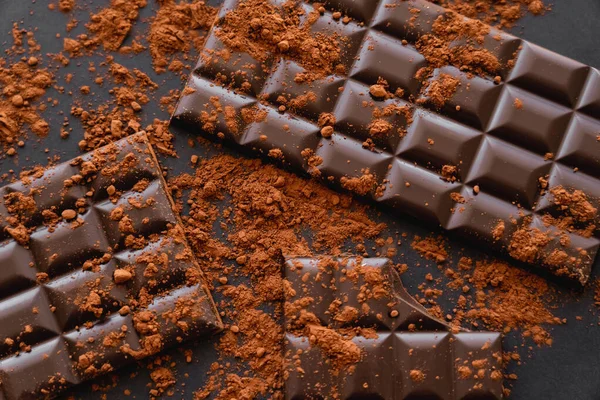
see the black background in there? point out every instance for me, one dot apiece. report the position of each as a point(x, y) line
point(569, 369)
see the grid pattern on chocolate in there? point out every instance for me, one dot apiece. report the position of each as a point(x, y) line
point(445, 364)
point(46, 324)
point(496, 146)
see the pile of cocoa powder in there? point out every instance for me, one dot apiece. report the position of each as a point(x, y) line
point(268, 213)
point(24, 83)
point(271, 214)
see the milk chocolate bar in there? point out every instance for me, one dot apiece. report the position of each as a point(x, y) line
point(95, 271)
point(509, 158)
point(352, 331)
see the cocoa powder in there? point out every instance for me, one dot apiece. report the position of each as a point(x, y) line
point(506, 298)
point(260, 28)
point(270, 212)
point(490, 293)
point(431, 248)
point(439, 48)
point(501, 13)
point(112, 25)
point(441, 89)
point(175, 28)
point(24, 84)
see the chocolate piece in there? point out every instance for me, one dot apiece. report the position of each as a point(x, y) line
point(503, 136)
point(98, 272)
point(337, 306)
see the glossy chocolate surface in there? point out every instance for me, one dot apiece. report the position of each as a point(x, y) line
point(501, 149)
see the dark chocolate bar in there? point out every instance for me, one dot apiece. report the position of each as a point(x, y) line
point(480, 163)
point(352, 331)
point(95, 271)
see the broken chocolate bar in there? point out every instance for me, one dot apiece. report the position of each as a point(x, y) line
point(352, 331)
point(95, 271)
point(496, 139)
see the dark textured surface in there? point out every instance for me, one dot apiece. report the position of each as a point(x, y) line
point(57, 336)
point(409, 341)
point(493, 144)
point(567, 370)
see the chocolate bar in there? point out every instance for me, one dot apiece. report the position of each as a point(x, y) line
point(352, 331)
point(481, 162)
point(95, 271)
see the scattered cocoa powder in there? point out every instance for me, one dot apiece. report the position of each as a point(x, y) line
point(498, 230)
point(538, 244)
point(270, 209)
point(175, 28)
point(504, 298)
point(23, 85)
point(439, 49)
point(440, 89)
point(501, 13)
point(118, 118)
point(432, 248)
point(575, 203)
point(260, 28)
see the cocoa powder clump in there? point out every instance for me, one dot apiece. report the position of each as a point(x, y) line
point(440, 49)
point(261, 28)
point(527, 244)
point(575, 203)
point(176, 28)
point(23, 85)
point(66, 5)
point(360, 185)
point(341, 351)
point(449, 172)
point(441, 89)
point(111, 25)
point(163, 379)
point(432, 248)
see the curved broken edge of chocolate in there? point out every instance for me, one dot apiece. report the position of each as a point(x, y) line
point(96, 272)
point(397, 289)
point(402, 294)
point(332, 312)
point(500, 149)
point(219, 322)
